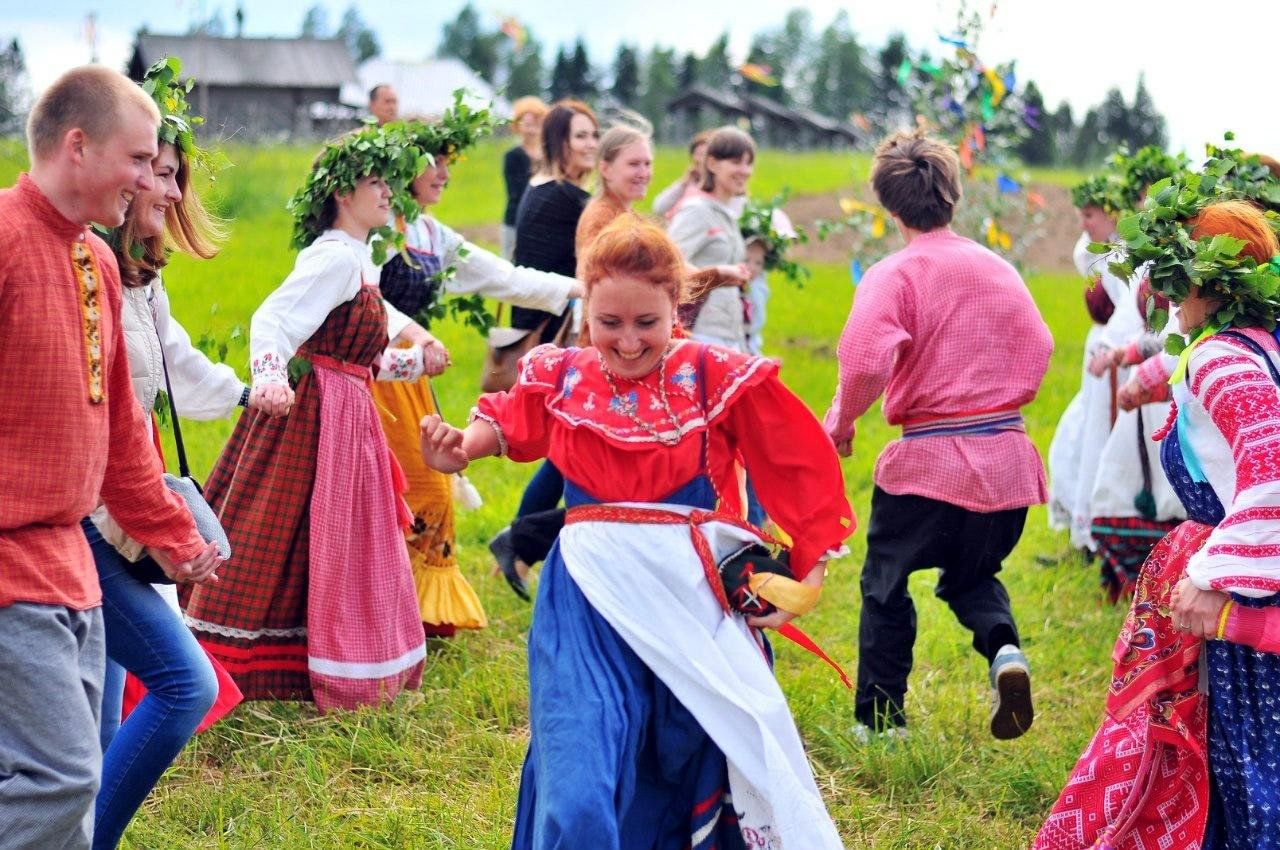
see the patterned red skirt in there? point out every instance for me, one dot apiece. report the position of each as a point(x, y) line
point(1143, 781)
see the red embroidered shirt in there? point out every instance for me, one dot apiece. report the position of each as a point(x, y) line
point(563, 408)
point(70, 426)
point(945, 328)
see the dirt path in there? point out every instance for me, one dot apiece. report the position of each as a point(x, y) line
point(1050, 253)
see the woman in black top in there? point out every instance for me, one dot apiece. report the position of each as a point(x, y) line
point(520, 162)
point(547, 219)
point(546, 226)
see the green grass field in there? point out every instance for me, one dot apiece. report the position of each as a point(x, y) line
point(440, 768)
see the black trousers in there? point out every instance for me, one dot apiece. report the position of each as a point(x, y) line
point(532, 535)
point(909, 533)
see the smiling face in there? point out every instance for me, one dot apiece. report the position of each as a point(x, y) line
point(584, 140)
point(631, 321)
point(628, 175)
point(115, 168)
point(368, 206)
point(151, 207)
point(430, 184)
point(731, 175)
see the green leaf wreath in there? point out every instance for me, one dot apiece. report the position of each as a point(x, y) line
point(1160, 235)
point(387, 152)
point(459, 128)
point(1105, 191)
point(1138, 171)
point(163, 82)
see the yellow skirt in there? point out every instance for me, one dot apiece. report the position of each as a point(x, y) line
point(445, 597)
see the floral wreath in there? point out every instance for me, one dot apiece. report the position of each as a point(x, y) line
point(383, 151)
point(760, 222)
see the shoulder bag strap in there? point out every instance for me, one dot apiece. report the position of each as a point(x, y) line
point(183, 469)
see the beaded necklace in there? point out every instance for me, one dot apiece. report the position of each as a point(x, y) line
point(629, 408)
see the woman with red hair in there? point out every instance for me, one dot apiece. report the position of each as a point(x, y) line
point(655, 718)
point(1197, 759)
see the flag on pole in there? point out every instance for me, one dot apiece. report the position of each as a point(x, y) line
point(759, 74)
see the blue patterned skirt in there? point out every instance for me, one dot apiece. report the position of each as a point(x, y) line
point(615, 762)
point(1244, 743)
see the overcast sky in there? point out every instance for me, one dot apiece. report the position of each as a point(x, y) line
point(1209, 66)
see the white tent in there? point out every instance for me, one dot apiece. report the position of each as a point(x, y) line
point(424, 88)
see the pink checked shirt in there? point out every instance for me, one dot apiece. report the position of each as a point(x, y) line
point(946, 329)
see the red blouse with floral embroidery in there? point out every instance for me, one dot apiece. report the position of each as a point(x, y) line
point(563, 408)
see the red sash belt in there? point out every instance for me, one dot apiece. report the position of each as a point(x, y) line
point(353, 369)
point(632, 515)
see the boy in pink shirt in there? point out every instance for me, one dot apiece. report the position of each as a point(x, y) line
point(948, 332)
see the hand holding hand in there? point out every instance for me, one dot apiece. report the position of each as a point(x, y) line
point(442, 445)
point(1132, 395)
point(1196, 611)
point(272, 399)
point(435, 358)
point(198, 570)
point(1102, 360)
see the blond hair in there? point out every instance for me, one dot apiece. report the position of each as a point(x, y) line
point(527, 105)
point(90, 98)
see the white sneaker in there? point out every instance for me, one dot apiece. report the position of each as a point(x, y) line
point(865, 734)
point(1011, 711)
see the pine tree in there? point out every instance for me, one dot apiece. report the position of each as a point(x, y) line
point(1114, 124)
point(688, 75)
point(581, 78)
point(525, 72)
point(626, 76)
point(14, 91)
point(561, 76)
point(841, 83)
point(715, 69)
point(463, 38)
point(661, 82)
point(361, 41)
point(890, 102)
point(761, 54)
point(1146, 124)
point(1064, 132)
point(1090, 146)
point(1039, 147)
point(315, 23)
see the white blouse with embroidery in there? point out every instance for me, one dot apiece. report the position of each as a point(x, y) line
point(488, 274)
point(1231, 412)
point(327, 273)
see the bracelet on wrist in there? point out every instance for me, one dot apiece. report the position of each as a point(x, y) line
point(1222, 619)
point(244, 398)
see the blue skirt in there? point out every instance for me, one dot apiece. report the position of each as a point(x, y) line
point(615, 762)
point(1244, 744)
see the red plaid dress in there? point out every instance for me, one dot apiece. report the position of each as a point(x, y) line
point(317, 601)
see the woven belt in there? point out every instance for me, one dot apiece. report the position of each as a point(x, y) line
point(965, 424)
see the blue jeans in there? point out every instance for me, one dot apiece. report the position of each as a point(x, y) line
point(149, 639)
point(543, 491)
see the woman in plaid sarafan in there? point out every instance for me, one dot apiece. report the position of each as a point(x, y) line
point(317, 601)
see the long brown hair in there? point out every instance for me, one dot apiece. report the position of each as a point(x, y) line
point(188, 227)
point(556, 132)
